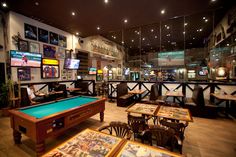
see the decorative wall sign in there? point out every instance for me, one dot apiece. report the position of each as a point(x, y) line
point(49, 51)
point(42, 35)
point(62, 41)
point(23, 45)
point(60, 54)
point(30, 32)
point(53, 38)
point(34, 47)
point(23, 74)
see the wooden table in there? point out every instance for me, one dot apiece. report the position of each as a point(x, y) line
point(93, 143)
point(225, 97)
point(138, 92)
point(176, 95)
point(141, 108)
point(175, 113)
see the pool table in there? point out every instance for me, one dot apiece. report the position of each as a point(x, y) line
point(51, 119)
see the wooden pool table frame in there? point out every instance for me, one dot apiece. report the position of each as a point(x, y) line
point(40, 129)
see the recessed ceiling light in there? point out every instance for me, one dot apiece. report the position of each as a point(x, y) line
point(193, 38)
point(143, 39)
point(4, 4)
point(125, 20)
point(168, 27)
point(185, 24)
point(132, 40)
point(36, 3)
point(152, 30)
point(106, 1)
point(213, 0)
point(77, 33)
point(122, 42)
point(206, 20)
point(227, 44)
point(114, 37)
point(98, 28)
point(155, 37)
point(73, 13)
point(163, 11)
point(183, 32)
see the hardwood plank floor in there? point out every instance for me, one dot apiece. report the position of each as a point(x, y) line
point(203, 137)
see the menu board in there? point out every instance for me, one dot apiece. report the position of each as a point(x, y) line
point(87, 143)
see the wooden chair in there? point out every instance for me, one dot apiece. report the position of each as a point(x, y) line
point(118, 129)
point(138, 125)
point(163, 137)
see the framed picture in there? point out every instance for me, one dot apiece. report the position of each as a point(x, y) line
point(69, 75)
point(62, 41)
point(34, 47)
point(49, 51)
point(23, 45)
point(30, 32)
point(68, 54)
point(60, 54)
point(64, 74)
point(43, 35)
point(23, 74)
point(53, 38)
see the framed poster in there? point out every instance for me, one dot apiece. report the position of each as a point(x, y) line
point(69, 75)
point(53, 38)
point(42, 35)
point(62, 41)
point(23, 74)
point(34, 47)
point(64, 74)
point(49, 51)
point(30, 32)
point(60, 53)
point(68, 54)
point(23, 45)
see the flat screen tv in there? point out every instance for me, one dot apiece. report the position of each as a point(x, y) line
point(174, 58)
point(92, 71)
point(72, 64)
point(25, 59)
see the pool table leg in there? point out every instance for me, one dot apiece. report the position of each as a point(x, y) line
point(101, 116)
point(40, 147)
point(17, 137)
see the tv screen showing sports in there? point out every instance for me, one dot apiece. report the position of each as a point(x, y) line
point(25, 59)
point(171, 58)
point(72, 64)
point(92, 71)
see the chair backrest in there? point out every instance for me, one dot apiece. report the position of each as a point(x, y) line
point(122, 89)
point(25, 100)
point(154, 92)
point(137, 123)
point(198, 96)
point(118, 129)
point(62, 87)
point(163, 137)
point(82, 85)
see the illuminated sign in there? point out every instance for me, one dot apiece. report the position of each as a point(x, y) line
point(99, 71)
point(50, 61)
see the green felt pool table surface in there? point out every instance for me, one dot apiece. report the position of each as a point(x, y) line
point(47, 109)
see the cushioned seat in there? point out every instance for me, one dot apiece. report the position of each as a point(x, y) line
point(123, 98)
point(155, 97)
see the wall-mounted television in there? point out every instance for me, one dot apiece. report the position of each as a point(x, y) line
point(50, 68)
point(174, 58)
point(72, 64)
point(25, 59)
point(92, 71)
point(203, 71)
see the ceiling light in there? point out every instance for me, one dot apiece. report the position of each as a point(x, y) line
point(168, 27)
point(98, 28)
point(206, 20)
point(152, 30)
point(165, 25)
point(143, 39)
point(193, 38)
point(185, 24)
point(125, 21)
point(4, 4)
point(77, 33)
point(168, 41)
point(213, 0)
point(122, 42)
point(114, 37)
point(183, 32)
point(106, 1)
point(132, 40)
point(36, 3)
point(73, 13)
point(155, 37)
point(163, 11)
point(227, 44)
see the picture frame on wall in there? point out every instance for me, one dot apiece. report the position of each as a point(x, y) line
point(53, 38)
point(34, 47)
point(64, 74)
point(24, 74)
point(60, 54)
point(62, 41)
point(23, 45)
point(43, 35)
point(30, 32)
point(49, 51)
point(67, 53)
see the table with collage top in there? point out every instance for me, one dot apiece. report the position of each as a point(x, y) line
point(97, 144)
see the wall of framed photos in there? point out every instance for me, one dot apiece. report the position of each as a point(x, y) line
point(33, 33)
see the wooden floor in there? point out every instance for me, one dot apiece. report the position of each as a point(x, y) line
point(204, 137)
